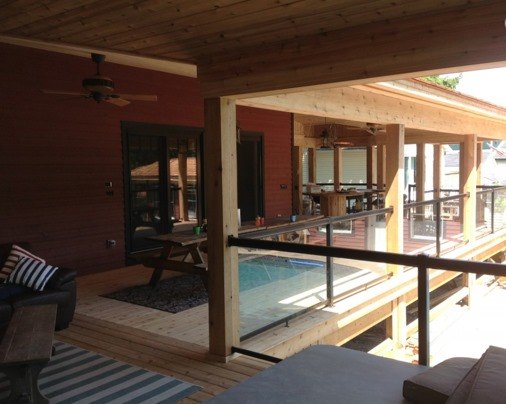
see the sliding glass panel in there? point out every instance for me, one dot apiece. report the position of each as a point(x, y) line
point(145, 191)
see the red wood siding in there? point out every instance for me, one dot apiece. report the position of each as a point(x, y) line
point(56, 154)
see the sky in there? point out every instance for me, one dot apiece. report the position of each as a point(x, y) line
point(488, 85)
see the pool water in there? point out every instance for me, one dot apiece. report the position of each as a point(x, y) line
point(258, 271)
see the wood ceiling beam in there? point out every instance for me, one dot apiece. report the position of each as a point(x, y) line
point(458, 38)
point(362, 106)
point(161, 65)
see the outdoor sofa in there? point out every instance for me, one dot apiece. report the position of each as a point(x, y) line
point(59, 289)
point(330, 374)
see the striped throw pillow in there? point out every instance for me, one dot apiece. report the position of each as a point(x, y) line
point(14, 256)
point(31, 273)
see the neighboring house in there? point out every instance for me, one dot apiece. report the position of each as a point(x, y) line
point(491, 172)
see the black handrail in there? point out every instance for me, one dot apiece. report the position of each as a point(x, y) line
point(324, 221)
point(433, 201)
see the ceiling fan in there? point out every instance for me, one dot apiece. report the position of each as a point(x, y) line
point(101, 88)
point(329, 137)
point(371, 128)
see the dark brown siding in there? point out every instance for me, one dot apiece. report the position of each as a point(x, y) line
point(57, 153)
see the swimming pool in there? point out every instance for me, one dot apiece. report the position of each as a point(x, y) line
point(272, 288)
point(256, 271)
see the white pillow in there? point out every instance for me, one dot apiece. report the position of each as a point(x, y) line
point(31, 273)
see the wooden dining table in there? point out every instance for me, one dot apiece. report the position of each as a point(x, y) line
point(191, 244)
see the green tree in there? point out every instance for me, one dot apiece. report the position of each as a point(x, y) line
point(450, 82)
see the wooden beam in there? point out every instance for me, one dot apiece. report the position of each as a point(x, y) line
point(399, 322)
point(123, 58)
point(380, 172)
point(338, 168)
point(394, 188)
point(311, 154)
point(420, 172)
point(437, 173)
point(468, 184)
point(353, 104)
point(450, 39)
point(479, 163)
point(221, 206)
point(369, 166)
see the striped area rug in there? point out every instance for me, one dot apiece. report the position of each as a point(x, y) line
point(75, 375)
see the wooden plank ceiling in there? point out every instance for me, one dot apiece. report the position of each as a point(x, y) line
point(217, 34)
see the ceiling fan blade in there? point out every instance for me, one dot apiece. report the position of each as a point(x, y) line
point(58, 92)
point(139, 97)
point(119, 102)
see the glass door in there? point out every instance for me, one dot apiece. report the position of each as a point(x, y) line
point(147, 198)
point(162, 187)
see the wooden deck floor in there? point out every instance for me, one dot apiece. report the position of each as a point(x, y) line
point(171, 344)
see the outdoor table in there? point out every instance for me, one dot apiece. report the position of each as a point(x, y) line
point(192, 243)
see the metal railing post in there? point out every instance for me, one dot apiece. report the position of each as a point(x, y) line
point(423, 312)
point(438, 229)
point(330, 265)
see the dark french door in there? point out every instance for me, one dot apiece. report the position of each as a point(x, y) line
point(162, 187)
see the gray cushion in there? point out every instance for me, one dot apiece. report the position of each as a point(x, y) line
point(436, 384)
point(325, 374)
point(485, 381)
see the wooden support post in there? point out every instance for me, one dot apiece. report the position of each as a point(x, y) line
point(397, 329)
point(369, 174)
point(370, 166)
point(420, 172)
point(468, 184)
point(394, 197)
point(297, 179)
point(436, 180)
point(479, 152)
point(380, 172)
point(311, 160)
point(338, 168)
point(394, 187)
point(480, 200)
point(182, 180)
point(220, 180)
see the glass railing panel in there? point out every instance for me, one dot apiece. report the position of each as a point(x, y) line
point(420, 230)
point(452, 223)
point(499, 211)
point(483, 213)
point(275, 285)
point(353, 276)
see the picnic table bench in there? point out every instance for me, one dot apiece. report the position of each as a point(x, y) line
point(26, 349)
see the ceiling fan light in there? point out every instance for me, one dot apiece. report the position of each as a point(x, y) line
point(325, 139)
point(98, 84)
